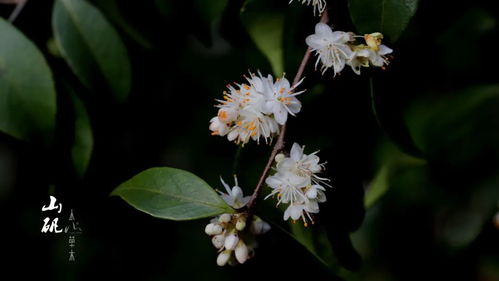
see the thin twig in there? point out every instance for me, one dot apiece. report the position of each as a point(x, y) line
point(17, 10)
point(279, 145)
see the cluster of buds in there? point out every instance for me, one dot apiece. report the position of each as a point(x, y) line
point(335, 49)
point(231, 235)
point(255, 109)
point(235, 241)
point(296, 183)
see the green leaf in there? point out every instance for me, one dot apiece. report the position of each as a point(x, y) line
point(394, 161)
point(173, 194)
point(389, 17)
point(266, 28)
point(315, 240)
point(27, 93)
point(111, 9)
point(210, 10)
point(81, 151)
point(91, 47)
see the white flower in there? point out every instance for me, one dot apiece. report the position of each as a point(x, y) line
point(296, 183)
point(281, 100)
point(255, 110)
point(374, 53)
point(288, 187)
point(331, 47)
point(234, 196)
point(304, 165)
point(319, 5)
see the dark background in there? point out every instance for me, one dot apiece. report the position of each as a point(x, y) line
point(435, 222)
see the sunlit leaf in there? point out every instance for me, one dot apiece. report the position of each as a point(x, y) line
point(27, 94)
point(170, 193)
point(91, 47)
point(266, 28)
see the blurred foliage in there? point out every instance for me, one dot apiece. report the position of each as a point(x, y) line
point(27, 94)
point(413, 150)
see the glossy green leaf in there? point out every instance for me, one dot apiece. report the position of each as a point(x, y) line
point(27, 93)
point(91, 47)
point(266, 28)
point(173, 194)
point(81, 151)
point(389, 17)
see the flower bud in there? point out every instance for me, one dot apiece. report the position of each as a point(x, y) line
point(241, 252)
point(218, 241)
point(231, 241)
point(225, 218)
point(217, 229)
point(209, 228)
point(240, 225)
point(279, 157)
point(223, 257)
point(259, 226)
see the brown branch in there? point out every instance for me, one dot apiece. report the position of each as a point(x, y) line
point(279, 145)
point(17, 10)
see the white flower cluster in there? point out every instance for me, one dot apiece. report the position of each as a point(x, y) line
point(235, 242)
point(335, 49)
point(319, 5)
point(254, 110)
point(296, 183)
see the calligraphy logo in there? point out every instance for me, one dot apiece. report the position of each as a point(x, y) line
point(51, 225)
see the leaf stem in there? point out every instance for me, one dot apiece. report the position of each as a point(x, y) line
point(279, 145)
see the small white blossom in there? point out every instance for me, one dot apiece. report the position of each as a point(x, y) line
point(335, 49)
point(374, 53)
point(331, 47)
point(281, 100)
point(296, 183)
point(319, 5)
point(234, 196)
point(254, 110)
